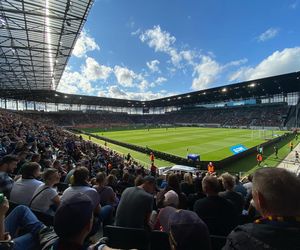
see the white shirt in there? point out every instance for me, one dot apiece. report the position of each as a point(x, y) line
point(23, 190)
point(43, 200)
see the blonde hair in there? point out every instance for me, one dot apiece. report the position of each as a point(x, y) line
point(188, 178)
point(228, 181)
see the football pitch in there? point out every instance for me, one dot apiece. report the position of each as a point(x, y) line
point(210, 143)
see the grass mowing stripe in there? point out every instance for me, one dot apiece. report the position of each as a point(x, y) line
point(139, 157)
point(210, 143)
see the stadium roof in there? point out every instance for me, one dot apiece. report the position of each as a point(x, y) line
point(281, 84)
point(36, 39)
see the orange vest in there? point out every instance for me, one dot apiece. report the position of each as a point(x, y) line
point(211, 168)
point(152, 157)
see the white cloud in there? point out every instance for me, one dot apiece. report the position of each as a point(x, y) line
point(236, 63)
point(188, 55)
point(80, 81)
point(280, 62)
point(160, 80)
point(153, 65)
point(163, 41)
point(116, 92)
point(268, 34)
point(124, 76)
point(175, 57)
point(149, 95)
point(158, 39)
point(143, 85)
point(94, 71)
point(74, 82)
point(84, 44)
point(207, 71)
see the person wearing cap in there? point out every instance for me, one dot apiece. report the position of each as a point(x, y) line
point(276, 197)
point(24, 188)
point(73, 221)
point(7, 165)
point(186, 230)
point(136, 205)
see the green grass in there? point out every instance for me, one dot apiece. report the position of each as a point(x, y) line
point(248, 164)
point(143, 159)
point(211, 143)
point(208, 142)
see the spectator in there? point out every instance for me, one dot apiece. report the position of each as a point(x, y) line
point(123, 184)
point(111, 181)
point(239, 187)
point(153, 169)
point(187, 186)
point(235, 198)
point(7, 166)
point(197, 182)
point(248, 185)
point(36, 158)
point(45, 197)
point(173, 184)
point(80, 184)
point(276, 196)
point(187, 231)
point(215, 211)
point(20, 219)
point(107, 195)
point(73, 222)
point(24, 188)
point(136, 205)
point(170, 200)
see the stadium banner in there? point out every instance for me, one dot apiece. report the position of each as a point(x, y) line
point(238, 149)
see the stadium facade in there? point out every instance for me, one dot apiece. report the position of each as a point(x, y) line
point(38, 37)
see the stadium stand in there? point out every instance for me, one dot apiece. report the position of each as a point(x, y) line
point(90, 182)
point(255, 115)
point(21, 136)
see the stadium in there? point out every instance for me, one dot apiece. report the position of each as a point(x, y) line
point(75, 146)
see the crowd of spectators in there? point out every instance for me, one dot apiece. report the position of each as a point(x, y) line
point(105, 188)
point(254, 115)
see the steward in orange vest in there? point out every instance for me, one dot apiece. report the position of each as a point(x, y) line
point(210, 168)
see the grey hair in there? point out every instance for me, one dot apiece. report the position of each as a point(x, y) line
point(280, 190)
point(228, 181)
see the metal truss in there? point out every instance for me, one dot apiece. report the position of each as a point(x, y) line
point(36, 40)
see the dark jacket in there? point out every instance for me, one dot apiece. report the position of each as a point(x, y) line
point(271, 236)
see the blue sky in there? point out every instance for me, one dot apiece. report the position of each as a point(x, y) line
point(148, 49)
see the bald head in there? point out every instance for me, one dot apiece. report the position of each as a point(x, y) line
point(276, 192)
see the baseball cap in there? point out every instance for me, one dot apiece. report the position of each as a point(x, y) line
point(73, 215)
point(187, 231)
